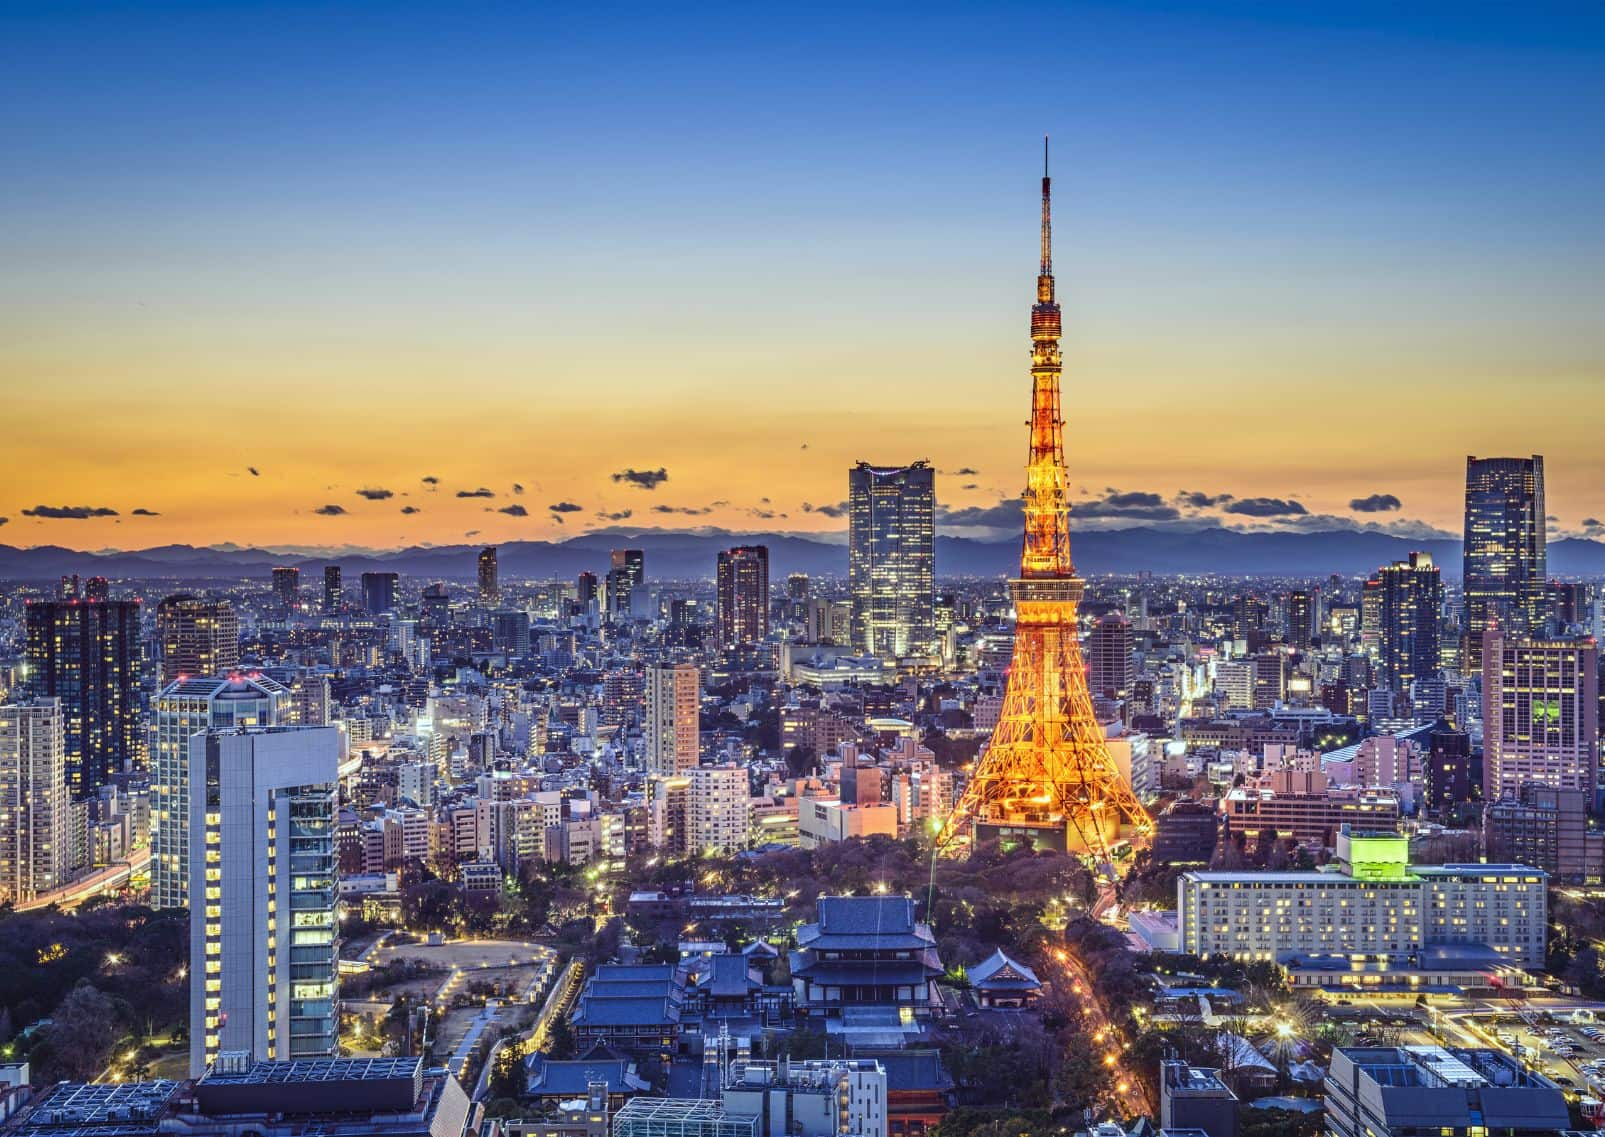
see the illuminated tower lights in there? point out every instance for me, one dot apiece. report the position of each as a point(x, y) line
point(1047, 777)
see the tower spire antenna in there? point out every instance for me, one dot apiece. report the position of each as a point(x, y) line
point(1047, 215)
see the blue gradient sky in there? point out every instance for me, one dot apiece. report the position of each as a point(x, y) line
point(1307, 252)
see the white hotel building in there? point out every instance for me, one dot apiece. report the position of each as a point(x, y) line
point(1374, 908)
point(262, 891)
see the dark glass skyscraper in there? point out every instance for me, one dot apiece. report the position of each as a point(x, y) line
point(287, 587)
point(743, 586)
point(1411, 594)
point(626, 572)
point(86, 653)
point(891, 561)
point(331, 590)
point(490, 589)
point(1505, 563)
point(378, 592)
point(1300, 620)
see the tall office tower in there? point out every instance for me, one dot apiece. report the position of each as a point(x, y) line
point(1540, 714)
point(720, 808)
point(1110, 672)
point(490, 589)
point(743, 586)
point(287, 588)
point(673, 732)
point(331, 590)
point(378, 592)
point(1411, 599)
point(1300, 620)
point(585, 589)
point(627, 570)
point(1248, 617)
point(196, 636)
point(509, 631)
point(1047, 778)
point(87, 653)
point(891, 562)
point(97, 588)
point(262, 815)
point(1371, 615)
point(34, 823)
point(1505, 564)
point(798, 587)
point(187, 707)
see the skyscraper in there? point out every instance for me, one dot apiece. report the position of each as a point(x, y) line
point(184, 708)
point(673, 730)
point(1110, 672)
point(891, 563)
point(87, 653)
point(1248, 618)
point(378, 592)
point(331, 590)
point(626, 572)
point(287, 587)
point(490, 590)
point(585, 589)
point(743, 587)
point(1047, 778)
point(1411, 597)
point(33, 800)
point(1504, 550)
point(1300, 620)
point(262, 874)
point(197, 636)
point(1540, 714)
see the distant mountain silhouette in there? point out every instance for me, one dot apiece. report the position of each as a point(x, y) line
point(675, 555)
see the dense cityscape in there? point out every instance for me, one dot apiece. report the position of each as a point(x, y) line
point(834, 832)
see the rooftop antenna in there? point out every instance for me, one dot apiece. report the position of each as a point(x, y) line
point(1047, 215)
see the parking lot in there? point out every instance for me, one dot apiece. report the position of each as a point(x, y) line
point(1572, 1054)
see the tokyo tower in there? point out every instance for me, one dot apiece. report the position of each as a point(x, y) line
point(1047, 778)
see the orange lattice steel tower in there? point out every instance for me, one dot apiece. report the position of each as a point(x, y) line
point(1047, 777)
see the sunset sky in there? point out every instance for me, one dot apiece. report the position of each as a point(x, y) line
point(260, 258)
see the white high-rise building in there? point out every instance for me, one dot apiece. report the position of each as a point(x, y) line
point(263, 893)
point(185, 708)
point(720, 809)
point(33, 799)
point(673, 732)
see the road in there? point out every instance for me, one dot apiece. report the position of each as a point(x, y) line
point(1129, 1095)
point(557, 1003)
point(107, 879)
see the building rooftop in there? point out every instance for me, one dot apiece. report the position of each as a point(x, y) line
point(1428, 1087)
point(315, 1070)
point(999, 972)
point(346, 1097)
point(1180, 1078)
